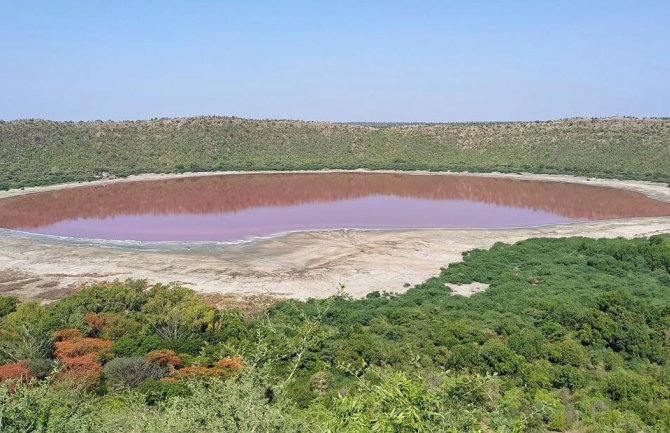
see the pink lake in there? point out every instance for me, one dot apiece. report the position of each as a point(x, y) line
point(243, 206)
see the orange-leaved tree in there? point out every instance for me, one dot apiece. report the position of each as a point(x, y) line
point(81, 357)
point(164, 358)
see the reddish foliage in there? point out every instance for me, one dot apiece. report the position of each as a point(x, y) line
point(80, 356)
point(82, 370)
point(230, 363)
point(15, 371)
point(67, 334)
point(101, 349)
point(194, 371)
point(164, 358)
point(97, 321)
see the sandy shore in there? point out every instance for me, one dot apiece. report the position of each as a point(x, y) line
point(299, 265)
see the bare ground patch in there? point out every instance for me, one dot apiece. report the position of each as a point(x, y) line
point(467, 290)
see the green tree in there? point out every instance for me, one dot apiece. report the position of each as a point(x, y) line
point(390, 403)
point(174, 312)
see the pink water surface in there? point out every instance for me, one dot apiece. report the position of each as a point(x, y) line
point(239, 207)
point(372, 212)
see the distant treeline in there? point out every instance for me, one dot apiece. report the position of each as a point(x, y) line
point(38, 152)
point(572, 335)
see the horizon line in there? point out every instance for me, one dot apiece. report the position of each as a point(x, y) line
point(363, 122)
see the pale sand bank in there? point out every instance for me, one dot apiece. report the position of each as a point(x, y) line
point(467, 290)
point(298, 265)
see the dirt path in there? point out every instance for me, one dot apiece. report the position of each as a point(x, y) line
point(299, 265)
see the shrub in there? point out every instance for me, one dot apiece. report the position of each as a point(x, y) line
point(558, 420)
point(103, 298)
point(500, 358)
point(15, 371)
point(393, 403)
point(112, 326)
point(81, 357)
point(67, 334)
point(101, 349)
point(465, 357)
point(47, 407)
point(566, 376)
point(41, 368)
point(225, 367)
point(158, 390)
point(163, 358)
point(174, 312)
point(137, 346)
point(7, 305)
point(22, 344)
point(626, 385)
point(81, 370)
point(567, 352)
point(28, 333)
point(233, 363)
point(528, 343)
point(130, 372)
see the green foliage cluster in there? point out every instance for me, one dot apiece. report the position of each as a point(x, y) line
point(572, 335)
point(130, 372)
point(37, 152)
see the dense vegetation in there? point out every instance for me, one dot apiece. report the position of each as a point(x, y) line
point(37, 152)
point(572, 335)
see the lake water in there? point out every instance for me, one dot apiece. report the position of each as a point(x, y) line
point(242, 206)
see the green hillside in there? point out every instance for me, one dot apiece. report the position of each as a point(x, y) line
point(37, 152)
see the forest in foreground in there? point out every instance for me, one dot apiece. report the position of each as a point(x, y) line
point(572, 335)
point(41, 152)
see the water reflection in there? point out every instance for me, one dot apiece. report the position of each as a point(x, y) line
point(233, 207)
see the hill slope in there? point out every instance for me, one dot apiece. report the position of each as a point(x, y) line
point(571, 335)
point(35, 152)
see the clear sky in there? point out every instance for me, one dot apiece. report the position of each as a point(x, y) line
point(339, 60)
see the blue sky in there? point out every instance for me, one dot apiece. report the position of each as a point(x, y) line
point(341, 61)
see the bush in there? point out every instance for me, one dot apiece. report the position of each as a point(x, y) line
point(113, 297)
point(163, 358)
point(47, 407)
point(626, 385)
point(566, 376)
point(222, 368)
point(41, 368)
point(74, 347)
point(112, 326)
point(394, 402)
point(567, 352)
point(130, 372)
point(15, 371)
point(81, 357)
point(173, 312)
point(137, 346)
point(22, 344)
point(159, 390)
point(7, 305)
point(499, 358)
point(81, 370)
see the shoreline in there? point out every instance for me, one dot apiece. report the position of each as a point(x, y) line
point(656, 190)
point(300, 264)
